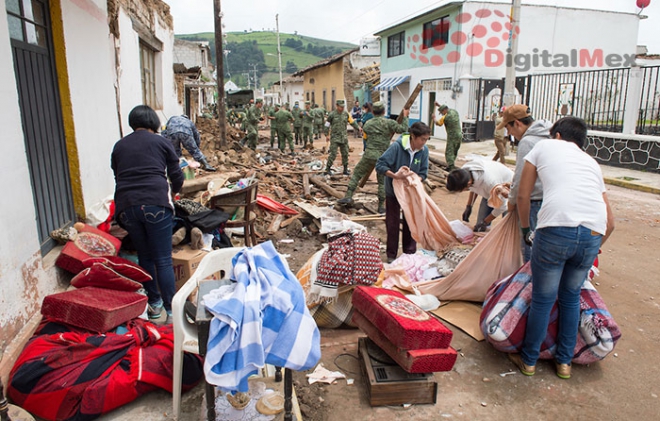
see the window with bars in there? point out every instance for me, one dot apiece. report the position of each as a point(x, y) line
point(395, 44)
point(27, 22)
point(149, 86)
point(436, 32)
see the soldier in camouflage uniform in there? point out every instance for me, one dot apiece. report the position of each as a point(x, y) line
point(378, 132)
point(273, 126)
point(308, 125)
point(338, 119)
point(252, 118)
point(297, 122)
point(452, 122)
point(283, 120)
point(319, 120)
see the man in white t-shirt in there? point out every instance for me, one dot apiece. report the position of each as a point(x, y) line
point(481, 176)
point(574, 221)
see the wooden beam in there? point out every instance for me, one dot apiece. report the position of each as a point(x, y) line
point(326, 187)
point(306, 187)
point(275, 224)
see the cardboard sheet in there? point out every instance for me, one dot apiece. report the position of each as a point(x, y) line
point(464, 315)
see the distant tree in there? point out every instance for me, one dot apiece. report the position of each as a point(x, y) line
point(291, 67)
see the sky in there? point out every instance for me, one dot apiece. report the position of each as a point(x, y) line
point(350, 20)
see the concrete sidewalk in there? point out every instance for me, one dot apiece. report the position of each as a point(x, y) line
point(616, 176)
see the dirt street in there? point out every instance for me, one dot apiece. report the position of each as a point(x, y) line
point(622, 387)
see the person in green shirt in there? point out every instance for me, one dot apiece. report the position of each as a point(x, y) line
point(273, 126)
point(319, 120)
point(337, 121)
point(283, 120)
point(452, 122)
point(378, 132)
point(252, 118)
point(297, 122)
point(308, 125)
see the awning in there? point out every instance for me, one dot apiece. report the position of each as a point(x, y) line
point(391, 83)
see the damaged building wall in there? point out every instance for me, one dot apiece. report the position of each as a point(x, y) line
point(23, 281)
point(326, 78)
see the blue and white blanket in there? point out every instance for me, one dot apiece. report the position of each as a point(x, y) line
point(262, 318)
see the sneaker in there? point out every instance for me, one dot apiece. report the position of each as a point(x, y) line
point(154, 310)
point(168, 320)
point(563, 370)
point(381, 210)
point(527, 370)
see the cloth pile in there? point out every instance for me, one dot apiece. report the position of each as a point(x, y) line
point(260, 319)
point(68, 374)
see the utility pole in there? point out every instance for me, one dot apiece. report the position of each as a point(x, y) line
point(220, 75)
point(279, 52)
point(510, 79)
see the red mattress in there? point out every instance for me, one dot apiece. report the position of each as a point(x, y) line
point(94, 309)
point(413, 361)
point(401, 321)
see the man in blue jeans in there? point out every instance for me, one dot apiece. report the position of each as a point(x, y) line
point(520, 124)
point(574, 221)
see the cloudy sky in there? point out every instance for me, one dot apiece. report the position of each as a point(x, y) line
point(350, 20)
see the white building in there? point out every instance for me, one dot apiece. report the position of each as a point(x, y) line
point(449, 46)
point(72, 72)
point(293, 89)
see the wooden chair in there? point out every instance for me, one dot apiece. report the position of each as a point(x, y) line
point(244, 198)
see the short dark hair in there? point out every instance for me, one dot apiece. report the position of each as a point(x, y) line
point(570, 129)
point(419, 129)
point(143, 117)
point(458, 180)
point(379, 111)
point(527, 121)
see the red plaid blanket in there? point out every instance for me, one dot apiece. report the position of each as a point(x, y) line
point(74, 375)
point(504, 319)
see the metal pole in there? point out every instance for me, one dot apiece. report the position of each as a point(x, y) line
point(510, 79)
point(220, 75)
point(279, 52)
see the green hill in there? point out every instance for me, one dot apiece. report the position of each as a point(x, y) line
point(298, 52)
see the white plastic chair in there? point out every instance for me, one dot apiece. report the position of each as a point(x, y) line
point(185, 334)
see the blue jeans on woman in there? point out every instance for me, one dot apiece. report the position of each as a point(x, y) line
point(150, 228)
point(561, 259)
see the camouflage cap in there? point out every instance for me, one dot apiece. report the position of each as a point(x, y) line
point(277, 105)
point(296, 102)
point(443, 107)
point(259, 100)
point(307, 103)
point(341, 102)
point(379, 106)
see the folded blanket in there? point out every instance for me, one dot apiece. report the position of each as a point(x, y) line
point(261, 319)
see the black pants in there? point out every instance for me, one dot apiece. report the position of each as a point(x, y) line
point(393, 219)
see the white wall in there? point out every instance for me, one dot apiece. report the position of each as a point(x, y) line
point(171, 104)
point(23, 282)
point(89, 59)
point(294, 91)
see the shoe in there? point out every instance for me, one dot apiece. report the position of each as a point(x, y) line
point(345, 201)
point(154, 310)
point(346, 172)
point(328, 173)
point(527, 370)
point(168, 320)
point(563, 370)
point(381, 210)
point(391, 259)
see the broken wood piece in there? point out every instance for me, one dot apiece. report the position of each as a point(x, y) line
point(368, 218)
point(364, 179)
point(325, 187)
point(306, 188)
point(201, 183)
point(289, 221)
point(275, 225)
point(313, 210)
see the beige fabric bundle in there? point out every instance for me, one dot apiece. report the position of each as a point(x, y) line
point(428, 225)
point(496, 256)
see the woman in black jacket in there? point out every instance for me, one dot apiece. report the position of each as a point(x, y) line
point(147, 175)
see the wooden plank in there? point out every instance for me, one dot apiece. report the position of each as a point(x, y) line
point(306, 187)
point(368, 218)
point(325, 187)
point(289, 221)
point(313, 210)
point(275, 224)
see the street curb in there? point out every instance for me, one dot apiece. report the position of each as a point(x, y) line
point(631, 186)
